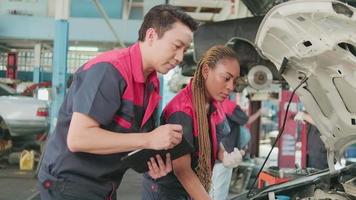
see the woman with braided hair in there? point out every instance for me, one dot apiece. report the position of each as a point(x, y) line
point(198, 109)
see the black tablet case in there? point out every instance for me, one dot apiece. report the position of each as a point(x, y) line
point(138, 159)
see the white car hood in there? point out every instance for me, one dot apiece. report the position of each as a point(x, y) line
point(302, 39)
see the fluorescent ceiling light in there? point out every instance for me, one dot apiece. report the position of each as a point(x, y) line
point(75, 48)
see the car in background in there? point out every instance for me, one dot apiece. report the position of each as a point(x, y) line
point(21, 118)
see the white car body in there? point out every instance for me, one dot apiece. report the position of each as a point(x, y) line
point(19, 114)
point(304, 36)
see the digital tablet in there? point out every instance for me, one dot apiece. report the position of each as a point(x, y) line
point(137, 160)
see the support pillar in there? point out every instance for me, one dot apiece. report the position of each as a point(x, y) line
point(37, 63)
point(60, 49)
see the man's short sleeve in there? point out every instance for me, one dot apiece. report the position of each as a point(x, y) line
point(187, 123)
point(98, 92)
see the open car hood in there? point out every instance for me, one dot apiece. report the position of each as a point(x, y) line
point(317, 39)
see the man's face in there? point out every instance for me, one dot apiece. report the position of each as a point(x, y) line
point(220, 81)
point(167, 51)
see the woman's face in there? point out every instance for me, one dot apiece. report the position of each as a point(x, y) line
point(221, 80)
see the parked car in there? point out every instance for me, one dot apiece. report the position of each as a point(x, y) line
point(21, 117)
point(313, 45)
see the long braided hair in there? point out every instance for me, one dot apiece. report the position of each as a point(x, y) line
point(210, 58)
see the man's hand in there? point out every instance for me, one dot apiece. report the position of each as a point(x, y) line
point(165, 137)
point(162, 169)
point(233, 159)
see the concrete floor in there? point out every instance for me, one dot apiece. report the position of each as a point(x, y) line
point(21, 185)
point(16, 184)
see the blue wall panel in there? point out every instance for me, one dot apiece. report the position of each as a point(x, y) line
point(86, 8)
point(32, 8)
point(80, 29)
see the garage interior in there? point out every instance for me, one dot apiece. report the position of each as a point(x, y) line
point(44, 42)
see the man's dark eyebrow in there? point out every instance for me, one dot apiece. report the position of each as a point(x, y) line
point(229, 74)
point(180, 42)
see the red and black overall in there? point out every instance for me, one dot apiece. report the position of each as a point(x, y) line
point(180, 110)
point(111, 89)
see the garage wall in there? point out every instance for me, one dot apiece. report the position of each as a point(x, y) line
point(85, 8)
point(24, 7)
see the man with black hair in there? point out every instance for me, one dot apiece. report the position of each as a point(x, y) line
point(111, 109)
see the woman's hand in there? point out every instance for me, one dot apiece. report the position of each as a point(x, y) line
point(157, 168)
point(233, 159)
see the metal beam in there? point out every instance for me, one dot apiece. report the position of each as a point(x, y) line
point(81, 29)
point(106, 18)
point(126, 9)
